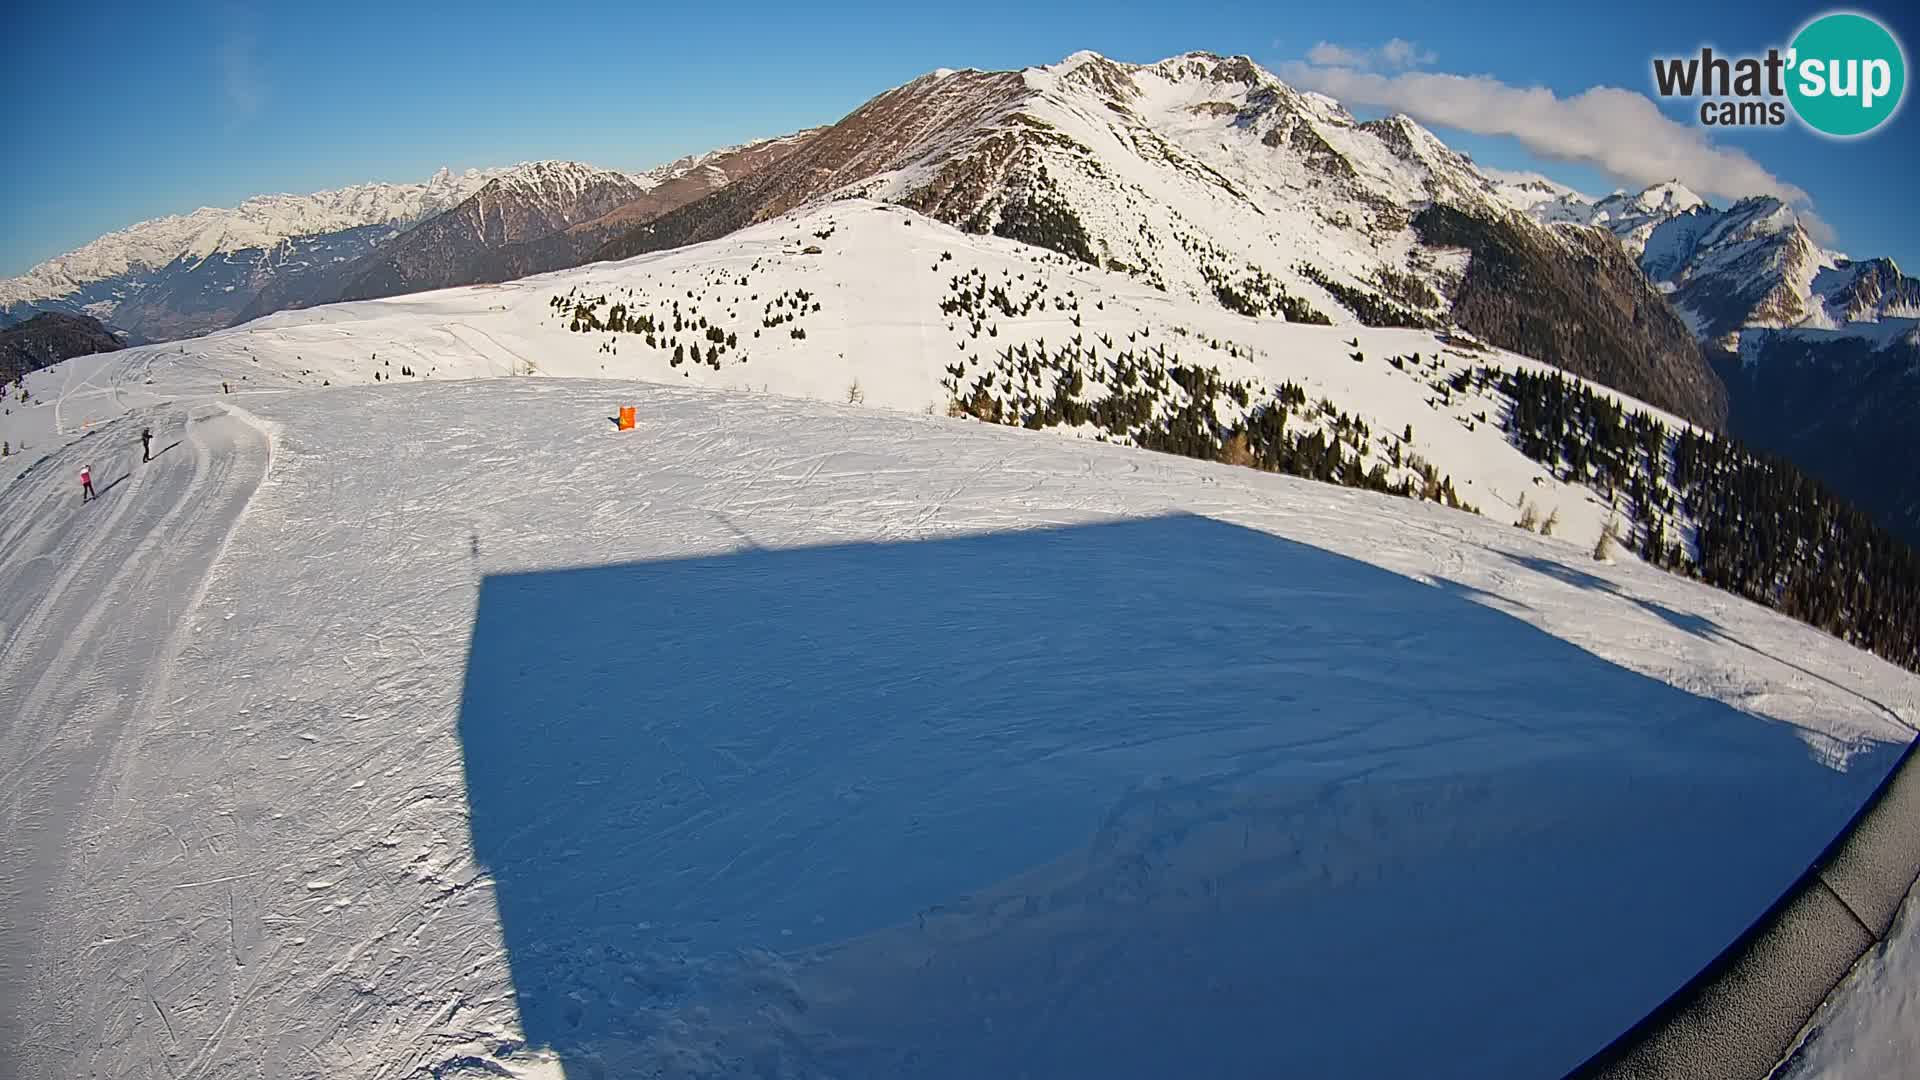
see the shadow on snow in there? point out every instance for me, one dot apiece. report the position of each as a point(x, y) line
point(1699, 626)
point(1159, 797)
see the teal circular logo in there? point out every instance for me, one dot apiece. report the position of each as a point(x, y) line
point(1848, 73)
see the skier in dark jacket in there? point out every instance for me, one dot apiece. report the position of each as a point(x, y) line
point(146, 444)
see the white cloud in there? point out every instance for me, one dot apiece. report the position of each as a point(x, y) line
point(1334, 56)
point(1396, 54)
point(1401, 53)
point(1620, 132)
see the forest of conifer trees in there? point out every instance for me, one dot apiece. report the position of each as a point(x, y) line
point(1710, 508)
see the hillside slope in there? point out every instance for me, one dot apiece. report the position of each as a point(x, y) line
point(49, 338)
point(864, 299)
point(1840, 404)
point(1582, 303)
point(1210, 179)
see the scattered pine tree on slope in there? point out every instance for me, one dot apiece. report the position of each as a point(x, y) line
point(1149, 397)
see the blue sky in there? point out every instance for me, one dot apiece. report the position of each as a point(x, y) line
point(124, 112)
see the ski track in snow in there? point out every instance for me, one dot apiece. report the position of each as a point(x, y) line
point(89, 599)
point(822, 756)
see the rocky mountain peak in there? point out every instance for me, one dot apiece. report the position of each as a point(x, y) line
point(1212, 179)
point(1669, 197)
point(1091, 71)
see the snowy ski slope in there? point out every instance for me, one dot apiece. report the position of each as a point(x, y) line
point(90, 603)
point(795, 735)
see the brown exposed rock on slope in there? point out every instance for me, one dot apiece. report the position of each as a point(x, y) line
point(895, 129)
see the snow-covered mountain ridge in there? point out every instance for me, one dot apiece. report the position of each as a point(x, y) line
point(526, 205)
point(536, 223)
point(1749, 266)
point(1203, 175)
point(1140, 153)
point(260, 222)
point(182, 275)
point(1209, 178)
point(268, 221)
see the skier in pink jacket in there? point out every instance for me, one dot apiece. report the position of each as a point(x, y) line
point(86, 483)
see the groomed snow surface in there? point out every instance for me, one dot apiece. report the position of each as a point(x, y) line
point(789, 738)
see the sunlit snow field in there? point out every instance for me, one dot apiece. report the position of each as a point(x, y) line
point(790, 735)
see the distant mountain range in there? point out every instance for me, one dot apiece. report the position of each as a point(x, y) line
point(187, 274)
point(1753, 265)
point(545, 216)
point(181, 276)
point(1202, 175)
